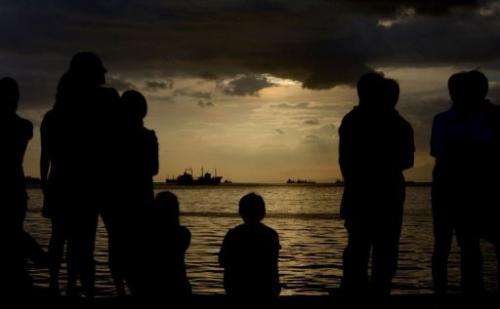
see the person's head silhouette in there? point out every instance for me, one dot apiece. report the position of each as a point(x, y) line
point(9, 96)
point(166, 208)
point(468, 90)
point(87, 67)
point(478, 85)
point(370, 87)
point(252, 208)
point(391, 92)
point(135, 105)
point(457, 87)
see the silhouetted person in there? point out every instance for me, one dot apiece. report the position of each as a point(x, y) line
point(17, 245)
point(55, 171)
point(16, 133)
point(376, 146)
point(79, 149)
point(139, 163)
point(158, 268)
point(466, 145)
point(250, 253)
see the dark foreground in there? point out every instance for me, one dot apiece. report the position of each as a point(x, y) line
point(220, 301)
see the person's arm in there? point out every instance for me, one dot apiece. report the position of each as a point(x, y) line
point(155, 156)
point(187, 240)
point(437, 139)
point(44, 156)
point(223, 253)
point(345, 151)
point(408, 154)
point(276, 273)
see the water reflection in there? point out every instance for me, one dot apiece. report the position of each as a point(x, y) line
point(311, 236)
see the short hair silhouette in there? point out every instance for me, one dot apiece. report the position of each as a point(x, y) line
point(135, 104)
point(166, 206)
point(252, 208)
point(479, 84)
point(467, 89)
point(457, 84)
point(9, 94)
point(369, 86)
point(88, 67)
point(391, 91)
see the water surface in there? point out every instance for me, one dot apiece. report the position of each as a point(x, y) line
point(311, 235)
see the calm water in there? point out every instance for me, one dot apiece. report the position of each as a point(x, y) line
point(311, 235)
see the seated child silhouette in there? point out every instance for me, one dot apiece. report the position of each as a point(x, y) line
point(159, 269)
point(249, 254)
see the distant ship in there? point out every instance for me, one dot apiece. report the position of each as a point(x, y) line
point(299, 181)
point(187, 179)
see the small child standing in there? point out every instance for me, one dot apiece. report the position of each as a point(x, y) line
point(249, 254)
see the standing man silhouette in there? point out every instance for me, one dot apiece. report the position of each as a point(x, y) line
point(376, 146)
point(466, 145)
point(15, 133)
point(80, 142)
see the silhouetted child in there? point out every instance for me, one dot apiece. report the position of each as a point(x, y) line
point(138, 161)
point(141, 147)
point(249, 254)
point(158, 267)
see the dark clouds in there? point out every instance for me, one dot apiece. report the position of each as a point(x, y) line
point(154, 85)
point(318, 43)
point(302, 105)
point(120, 84)
point(188, 92)
point(203, 104)
point(311, 122)
point(245, 85)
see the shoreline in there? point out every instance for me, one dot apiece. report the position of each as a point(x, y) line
point(221, 301)
point(163, 186)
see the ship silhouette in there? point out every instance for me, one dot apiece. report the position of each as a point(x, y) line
point(299, 181)
point(187, 179)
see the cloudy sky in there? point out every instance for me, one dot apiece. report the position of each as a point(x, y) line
point(256, 88)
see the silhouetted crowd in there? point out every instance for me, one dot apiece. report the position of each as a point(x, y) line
point(95, 134)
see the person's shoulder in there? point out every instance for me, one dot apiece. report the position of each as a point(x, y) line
point(444, 116)
point(269, 230)
point(236, 231)
point(25, 125)
point(184, 230)
point(108, 92)
point(24, 122)
point(349, 118)
point(351, 115)
point(493, 108)
point(403, 122)
point(150, 134)
point(48, 116)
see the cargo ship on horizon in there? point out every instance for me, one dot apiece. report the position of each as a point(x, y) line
point(187, 179)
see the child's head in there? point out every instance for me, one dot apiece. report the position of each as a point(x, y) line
point(252, 208)
point(9, 95)
point(135, 105)
point(166, 207)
